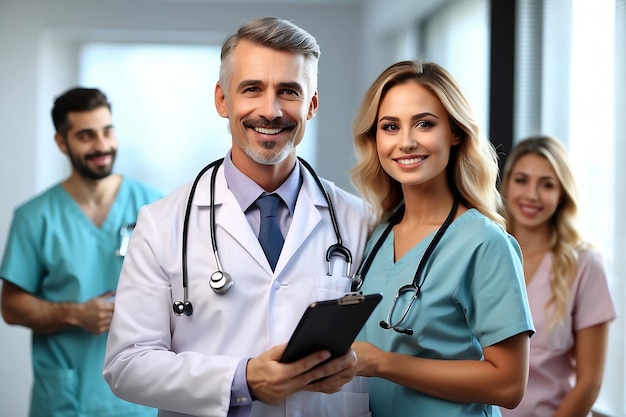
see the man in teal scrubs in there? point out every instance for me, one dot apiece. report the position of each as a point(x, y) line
point(62, 261)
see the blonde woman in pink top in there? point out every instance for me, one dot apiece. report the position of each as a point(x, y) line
point(566, 282)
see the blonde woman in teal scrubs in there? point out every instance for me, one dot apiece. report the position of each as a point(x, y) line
point(451, 336)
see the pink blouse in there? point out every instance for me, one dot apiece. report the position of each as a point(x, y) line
point(552, 360)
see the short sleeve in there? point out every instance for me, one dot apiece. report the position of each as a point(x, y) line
point(21, 263)
point(593, 303)
point(499, 301)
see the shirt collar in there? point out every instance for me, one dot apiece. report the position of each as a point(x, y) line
point(246, 191)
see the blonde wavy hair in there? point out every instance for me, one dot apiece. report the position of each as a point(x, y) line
point(566, 239)
point(473, 167)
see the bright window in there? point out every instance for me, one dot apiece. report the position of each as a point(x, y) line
point(567, 87)
point(457, 37)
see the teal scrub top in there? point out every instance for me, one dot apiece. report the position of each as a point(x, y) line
point(56, 253)
point(473, 296)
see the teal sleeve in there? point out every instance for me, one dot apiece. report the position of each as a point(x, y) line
point(22, 264)
point(499, 301)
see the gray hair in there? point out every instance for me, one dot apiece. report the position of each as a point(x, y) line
point(275, 33)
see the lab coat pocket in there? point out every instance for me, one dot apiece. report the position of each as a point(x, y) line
point(331, 287)
point(54, 392)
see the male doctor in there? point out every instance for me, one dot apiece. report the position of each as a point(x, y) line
point(189, 350)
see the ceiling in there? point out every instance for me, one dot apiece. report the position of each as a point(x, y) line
point(273, 2)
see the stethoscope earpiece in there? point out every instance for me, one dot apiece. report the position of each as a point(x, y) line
point(220, 282)
point(341, 250)
point(384, 325)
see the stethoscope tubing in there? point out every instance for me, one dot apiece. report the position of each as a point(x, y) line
point(416, 285)
point(192, 192)
point(337, 247)
point(185, 307)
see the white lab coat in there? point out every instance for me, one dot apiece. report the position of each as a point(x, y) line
point(186, 364)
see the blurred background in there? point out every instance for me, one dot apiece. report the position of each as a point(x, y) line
point(555, 67)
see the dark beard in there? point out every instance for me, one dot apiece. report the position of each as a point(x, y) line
point(81, 166)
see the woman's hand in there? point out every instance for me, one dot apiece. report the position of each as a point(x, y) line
point(368, 358)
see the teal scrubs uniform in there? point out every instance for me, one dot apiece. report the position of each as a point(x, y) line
point(55, 252)
point(473, 296)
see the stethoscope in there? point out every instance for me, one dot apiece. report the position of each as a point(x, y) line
point(416, 286)
point(221, 281)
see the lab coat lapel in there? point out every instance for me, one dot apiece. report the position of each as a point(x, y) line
point(230, 220)
point(305, 219)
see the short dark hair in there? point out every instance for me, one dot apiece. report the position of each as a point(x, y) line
point(77, 99)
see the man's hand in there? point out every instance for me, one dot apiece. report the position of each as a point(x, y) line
point(271, 381)
point(23, 308)
point(95, 315)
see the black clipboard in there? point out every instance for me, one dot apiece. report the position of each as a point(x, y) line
point(332, 325)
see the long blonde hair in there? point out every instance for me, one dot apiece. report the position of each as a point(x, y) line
point(565, 238)
point(473, 168)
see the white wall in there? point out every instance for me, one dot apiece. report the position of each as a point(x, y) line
point(386, 25)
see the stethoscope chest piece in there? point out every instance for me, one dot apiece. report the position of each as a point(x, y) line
point(220, 282)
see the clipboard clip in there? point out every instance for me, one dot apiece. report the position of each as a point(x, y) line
point(351, 298)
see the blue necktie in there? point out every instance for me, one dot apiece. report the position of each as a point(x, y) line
point(270, 237)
